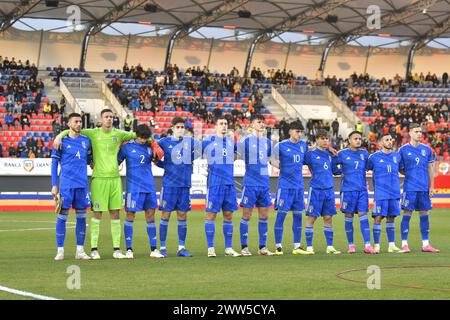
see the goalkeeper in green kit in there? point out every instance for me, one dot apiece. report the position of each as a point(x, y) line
point(106, 186)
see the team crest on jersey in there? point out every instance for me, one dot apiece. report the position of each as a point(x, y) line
point(186, 145)
point(406, 203)
point(311, 208)
point(114, 139)
point(149, 151)
point(344, 205)
point(395, 159)
point(378, 209)
point(83, 143)
point(424, 153)
point(361, 156)
point(96, 205)
point(281, 202)
point(301, 149)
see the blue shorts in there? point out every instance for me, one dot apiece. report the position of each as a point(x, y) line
point(321, 203)
point(354, 201)
point(256, 196)
point(290, 199)
point(416, 201)
point(221, 198)
point(140, 201)
point(77, 198)
point(386, 208)
point(175, 198)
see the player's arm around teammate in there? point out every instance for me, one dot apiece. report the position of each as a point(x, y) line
point(256, 150)
point(321, 200)
point(288, 156)
point(179, 153)
point(141, 193)
point(418, 187)
point(352, 163)
point(385, 165)
point(219, 152)
point(70, 187)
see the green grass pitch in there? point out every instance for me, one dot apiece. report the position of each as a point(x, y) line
point(27, 264)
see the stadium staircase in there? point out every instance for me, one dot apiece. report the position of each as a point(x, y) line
point(165, 116)
point(316, 103)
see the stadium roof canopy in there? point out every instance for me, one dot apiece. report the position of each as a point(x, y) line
point(280, 20)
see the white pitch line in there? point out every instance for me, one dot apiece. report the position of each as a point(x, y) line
point(33, 229)
point(26, 294)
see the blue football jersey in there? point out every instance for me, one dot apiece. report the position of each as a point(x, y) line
point(255, 151)
point(414, 163)
point(139, 166)
point(73, 157)
point(179, 156)
point(353, 168)
point(219, 154)
point(385, 168)
point(291, 156)
point(320, 165)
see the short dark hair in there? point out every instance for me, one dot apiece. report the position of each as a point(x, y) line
point(385, 134)
point(222, 117)
point(143, 131)
point(321, 133)
point(73, 115)
point(355, 132)
point(413, 125)
point(254, 117)
point(296, 125)
point(105, 111)
point(177, 120)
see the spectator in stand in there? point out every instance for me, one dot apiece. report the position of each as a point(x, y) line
point(335, 127)
point(30, 143)
point(445, 79)
point(128, 123)
point(116, 120)
point(59, 74)
point(25, 121)
point(9, 119)
point(12, 151)
point(56, 128)
point(40, 153)
point(47, 109)
point(1, 151)
point(134, 105)
point(39, 143)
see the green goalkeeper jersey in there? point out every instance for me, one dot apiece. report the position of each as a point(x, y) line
point(105, 147)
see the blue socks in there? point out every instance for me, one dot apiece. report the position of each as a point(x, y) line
point(80, 229)
point(262, 229)
point(151, 232)
point(61, 230)
point(279, 226)
point(390, 231)
point(297, 227)
point(376, 233)
point(404, 227)
point(349, 229)
point(328, 231)
point(227, 228)
point(425, 226)
point(128, 232)
point(163, 232)
point(365, 228)
point(210, 229)
point(182, 231)
point(243, 228)
point(309, 233)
